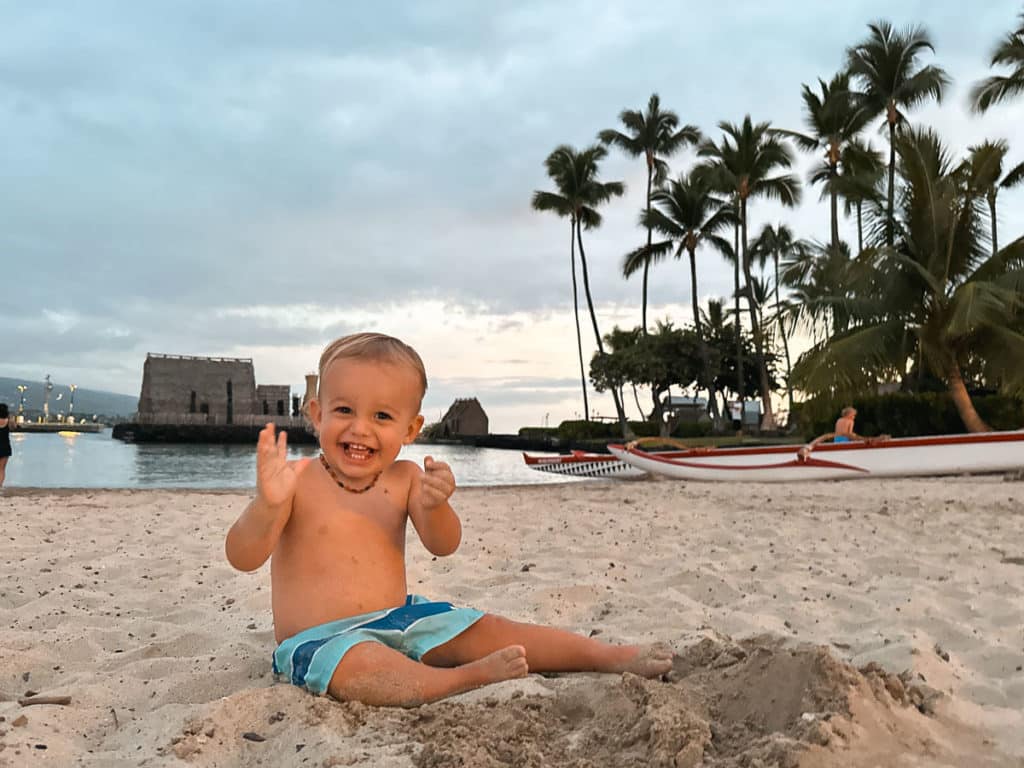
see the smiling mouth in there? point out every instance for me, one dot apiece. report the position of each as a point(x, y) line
point(358, 451)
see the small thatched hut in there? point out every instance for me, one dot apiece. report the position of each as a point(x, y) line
point(465, 417)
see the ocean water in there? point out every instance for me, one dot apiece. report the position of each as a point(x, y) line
point(80, 460)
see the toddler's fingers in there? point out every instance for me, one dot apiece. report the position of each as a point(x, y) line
point(265, 445)
point(437, 468)
point(440, 485)
point(282, 444)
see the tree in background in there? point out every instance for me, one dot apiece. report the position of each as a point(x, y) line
point(860, 185)
point(1009, 52)
point(720, 335)
point(885, 65)
point(688, 215)
point(778, 244)
point(560, 167)
point(834, 119)
point(654, 135)
point(983, 173)
point(940, 295)
point(580, 193)
point(743, 164)
point(660, 360)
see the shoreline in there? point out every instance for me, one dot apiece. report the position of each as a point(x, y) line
point(131, 607)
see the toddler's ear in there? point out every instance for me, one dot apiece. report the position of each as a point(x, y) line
point(315, 414)
point(414, 430)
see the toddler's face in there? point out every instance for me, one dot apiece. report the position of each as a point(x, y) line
point(366, 411)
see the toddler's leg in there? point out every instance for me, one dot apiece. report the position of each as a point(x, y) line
point(375, 674)
point(551, 650)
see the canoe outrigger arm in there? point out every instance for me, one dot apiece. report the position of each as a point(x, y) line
point(805, 451)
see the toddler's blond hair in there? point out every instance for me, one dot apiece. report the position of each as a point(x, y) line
point(373, 346)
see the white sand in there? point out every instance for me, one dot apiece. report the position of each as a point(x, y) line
point(123, 601)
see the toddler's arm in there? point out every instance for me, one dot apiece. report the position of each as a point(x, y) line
point(254, 535)
point(433, 517)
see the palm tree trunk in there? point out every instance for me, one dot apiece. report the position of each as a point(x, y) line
point(785, 343)
point(860, 230)
point(705, 362)
point(626, 431)
point(890, 228)
point(576, 312)
point(962, 400)
point(992, 214)
point(636, 399)
point(740, 389)
point(835, 218)
point(768, 419)
point(647, 260)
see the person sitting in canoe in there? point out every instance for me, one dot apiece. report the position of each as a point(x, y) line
point(843, 433)
point(844, 426)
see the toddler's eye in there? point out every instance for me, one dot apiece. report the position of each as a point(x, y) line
point(343, 409)
point(383, 416)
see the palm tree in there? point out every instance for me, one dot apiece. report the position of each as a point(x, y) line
point(687, 215)
point(983, 171)
point(885, 65)
point(580, 192)
point(834, 118)
point(779, 244)
point(743, 163)
point(721, 335)
point(859, 184)
point(992, 90)
point(820, 278)
point(940, 296)
point(560, 166)
point(654, 135)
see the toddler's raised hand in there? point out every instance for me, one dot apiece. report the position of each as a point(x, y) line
point(276, 477)
point(436, 484)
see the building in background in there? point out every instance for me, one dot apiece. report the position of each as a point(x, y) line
point(465, 417)
point(184, 389)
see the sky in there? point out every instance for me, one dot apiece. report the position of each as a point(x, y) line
point(252, 179)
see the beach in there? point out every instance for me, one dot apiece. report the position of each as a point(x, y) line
point(827, 624)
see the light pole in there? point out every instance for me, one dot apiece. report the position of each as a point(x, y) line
point(46, 401)
point(71, 406)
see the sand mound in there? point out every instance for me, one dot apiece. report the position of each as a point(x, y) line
point(754, 704)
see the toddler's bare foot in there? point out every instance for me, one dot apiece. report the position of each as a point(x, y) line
point(651, 660)
point(506, 664)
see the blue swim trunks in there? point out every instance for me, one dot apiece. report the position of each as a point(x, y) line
point(309, 658)
point(840, 439)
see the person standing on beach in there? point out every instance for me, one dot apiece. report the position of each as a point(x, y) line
point(334, 530)
point(5, 441)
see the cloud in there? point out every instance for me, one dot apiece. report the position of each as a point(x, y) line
point(217, 177)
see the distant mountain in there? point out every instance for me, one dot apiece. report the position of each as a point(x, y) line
point(87, 401)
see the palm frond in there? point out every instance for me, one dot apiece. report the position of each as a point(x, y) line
point(1013, 177)
point(979, 305)
point(645, 255)
point(549, 201)
point(849, 362)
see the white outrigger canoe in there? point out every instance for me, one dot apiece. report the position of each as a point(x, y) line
point(878, 457)
point(584, 464)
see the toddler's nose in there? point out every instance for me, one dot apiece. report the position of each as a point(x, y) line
point(360, 426)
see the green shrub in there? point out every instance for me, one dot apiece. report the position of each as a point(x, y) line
point(538, 432)
point(693, 429)
point(602, 430)
point(905, 414)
